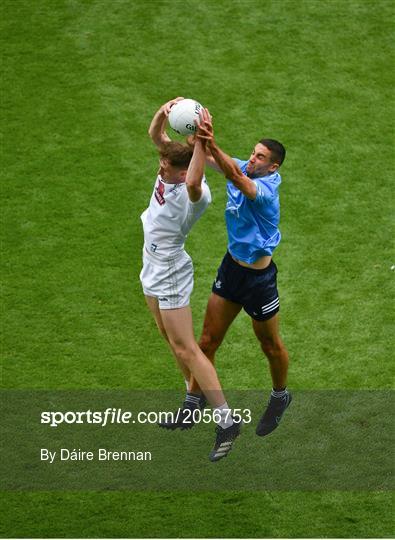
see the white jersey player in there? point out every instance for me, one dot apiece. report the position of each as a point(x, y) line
point(180, 197)
point(168, 271)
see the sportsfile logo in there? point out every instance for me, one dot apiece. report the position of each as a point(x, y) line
point(113, 415)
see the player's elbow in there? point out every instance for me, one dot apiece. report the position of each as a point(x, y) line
point(157, 140)
point(194, 191)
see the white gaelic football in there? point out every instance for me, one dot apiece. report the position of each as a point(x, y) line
point(183, 115)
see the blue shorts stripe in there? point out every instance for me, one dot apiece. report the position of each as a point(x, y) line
point(272, 305)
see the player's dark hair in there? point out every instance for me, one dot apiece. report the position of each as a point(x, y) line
point(277, 150)
point(178, 154)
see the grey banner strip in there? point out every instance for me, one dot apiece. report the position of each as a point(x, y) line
point(327, 440)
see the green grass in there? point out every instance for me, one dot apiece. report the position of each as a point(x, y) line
point(80, 82)
point(207, 515)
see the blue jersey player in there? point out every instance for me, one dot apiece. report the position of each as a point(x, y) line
point(246, 278)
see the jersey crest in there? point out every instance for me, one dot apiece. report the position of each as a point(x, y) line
point(159, 193)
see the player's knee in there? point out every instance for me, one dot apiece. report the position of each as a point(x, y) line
point(272, 346)
point(185, 353)
point(209, 343)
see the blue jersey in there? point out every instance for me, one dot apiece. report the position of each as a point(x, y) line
point(253, 224)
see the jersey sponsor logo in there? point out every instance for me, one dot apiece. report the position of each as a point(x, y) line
point(176, 188)
point(159, 193)
point(232, 208)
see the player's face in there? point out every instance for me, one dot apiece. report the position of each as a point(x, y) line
point(260, 163)
point(169, 173)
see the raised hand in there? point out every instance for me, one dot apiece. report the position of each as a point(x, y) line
point(205, 130)
point(167, 106)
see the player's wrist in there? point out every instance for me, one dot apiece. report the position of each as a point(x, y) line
point(211, 143)
point(200, 142)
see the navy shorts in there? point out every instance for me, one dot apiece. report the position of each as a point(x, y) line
point(255, 290)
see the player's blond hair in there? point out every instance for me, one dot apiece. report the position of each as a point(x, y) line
point(178, 154)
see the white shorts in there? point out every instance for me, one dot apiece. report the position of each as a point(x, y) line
point(170, 281)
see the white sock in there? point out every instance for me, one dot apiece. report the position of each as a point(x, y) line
point(193, 399)
point(187, 385)
point(224, 412)
point(279, 393)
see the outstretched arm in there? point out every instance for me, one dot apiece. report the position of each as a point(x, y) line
point(158, 124)
point(210, 161)
point(230, 169)
point(195, 171)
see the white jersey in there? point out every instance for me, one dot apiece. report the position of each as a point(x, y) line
point(170, 216)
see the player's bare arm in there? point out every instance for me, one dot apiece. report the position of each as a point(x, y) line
point(195, 171)
point(232, 171)
point(157, 129)
point(210, 161)
point(226, 164)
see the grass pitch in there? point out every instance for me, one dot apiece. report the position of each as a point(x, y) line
point(80, 82)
